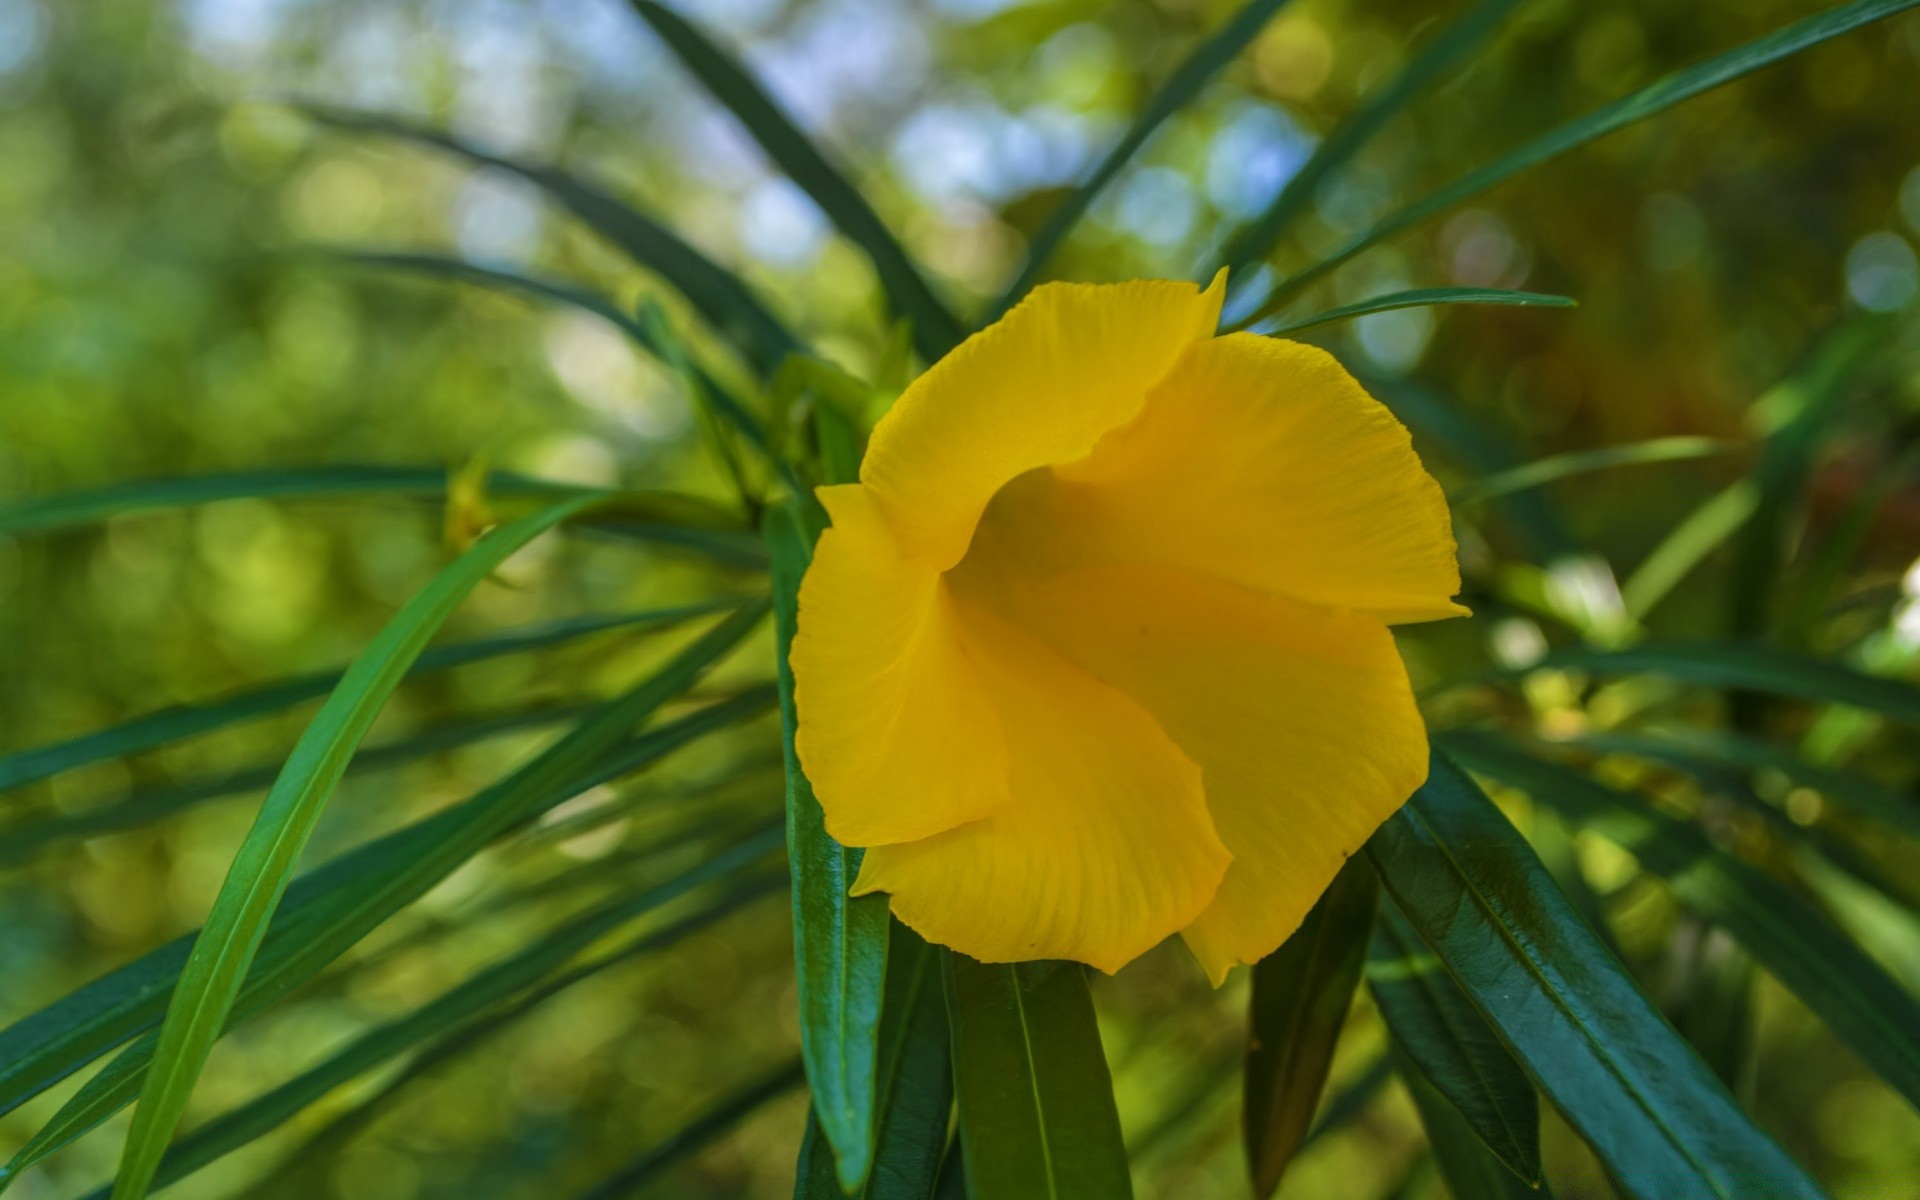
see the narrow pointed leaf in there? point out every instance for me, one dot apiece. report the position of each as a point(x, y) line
point(1037, 1116)
point(1649, 101)
point(1182, 86)
point(720, 296)
point(839, 942)
point(1566, 1009)
point(1417, 298)
point(1440, 55)
point(332, 908)
point(173, 724)
point(1301, 993)
point(1452, 1048)
point(1750, 666)
point(709, 1127)
point(1580, 462)
point(915, 1091)
point(935, 329)
point(1471, 1169)
point(1859, 1001)
point(1703, 531)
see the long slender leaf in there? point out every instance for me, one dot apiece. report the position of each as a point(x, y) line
point(1543, 471)
point(456, 1006)
point(1446, 50)
point(718, 294)
point(1469, 1166)
point(935, 329)
point(1649, 101)
point(1702, 532)
point(702, 1132)
point(1417, 298)
point(1862, 1004)
point(1037, 1116)
point(839, 943)
point(1301, 993)
point(331, 909)
point(1451, 1048)
point(217, 966)
point(1573, 1018)
point(173, 724)
point(1183, 85)
point(466, 1038)
point(1753, 667)
point(915, 1093)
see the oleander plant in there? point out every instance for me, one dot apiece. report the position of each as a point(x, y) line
point(609, 598)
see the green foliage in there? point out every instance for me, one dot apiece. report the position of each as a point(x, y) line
point(520, 953)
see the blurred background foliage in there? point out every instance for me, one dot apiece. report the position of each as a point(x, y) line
point(162, 313)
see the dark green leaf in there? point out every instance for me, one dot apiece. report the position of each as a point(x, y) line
point(915, 1091)
point(172, 724)
point(935, 329)
point(1649, 101)
point(1452, 1048)
point(1567, 1010)
point(1863, 1005)
point(1470, 1168)
point(1037, 1117)
point(1182, 86)
point(1561, 466)
point(840, 943)
point(719, 295)
point(1300, 997)
point(331, 909)
point(1418, 298)
point(1438, 56)
point(702, 1132)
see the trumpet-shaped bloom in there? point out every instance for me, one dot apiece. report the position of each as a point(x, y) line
point(1097, 649)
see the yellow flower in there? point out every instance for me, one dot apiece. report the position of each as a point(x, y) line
point(1096, 651)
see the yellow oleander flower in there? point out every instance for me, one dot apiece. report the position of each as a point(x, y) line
point(1096, 651)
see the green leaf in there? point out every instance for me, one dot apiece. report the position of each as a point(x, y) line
point(455, 1007)
point(1468, 1165)
point(1689, 748)
point(915, 1092)
point(1649, 101)
point(1804, 408)
point(331, 909)
point(1566, 1009)
point(1418, 298)
point(839, 943)
point(1861, 1003)
point(718, 294)
point(698, 1134)
point(1438, 56)
point(935, 329)
point(1452, 1049)
point(1183, 85)
point(1301, 993)
point(1703, 531)
point(28, 838)
point(1562, 466)
point(1037, 1116)
point(1753, 667)
point(264, 865)
point(172, 724)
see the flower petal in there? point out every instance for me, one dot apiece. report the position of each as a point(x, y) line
point(1104, 849)
point(896, 732)
point(1039, 386)
point(1263, 462)
point(1301, 719)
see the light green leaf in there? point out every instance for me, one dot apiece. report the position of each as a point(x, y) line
point(1649, 101)
point(1417, 298)
point(1037, 1116)
point(1301, 993)
point(1563, 466)
point(839, 943)
point(935, 329)
point(1566, 1009)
